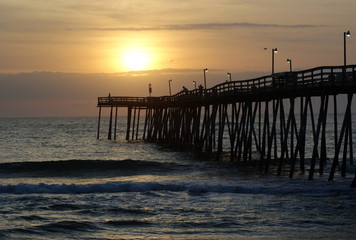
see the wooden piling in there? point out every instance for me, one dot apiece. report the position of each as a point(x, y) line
point(99, 118)
point(129, 110)
point(339, 142)
point(138, 122)
point(110, 123)
point(116, 109)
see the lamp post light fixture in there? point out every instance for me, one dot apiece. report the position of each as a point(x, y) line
point(150, 89)
point(229, 75)
point(195, 85)
point(346, 34)
point(169, 83)
point(274, 50)
point(290, 64)
point(205, 70)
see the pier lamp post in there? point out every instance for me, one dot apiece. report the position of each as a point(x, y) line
point(346, 34)
point(290, 64)
point(205, 70)
point(150, 89)
point(229, 75)
point(169, 83)
point(274, 50)
point(195, 85)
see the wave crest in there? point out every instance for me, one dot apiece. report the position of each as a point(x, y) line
point(115, 187)
point(190, 187)
point(77, 168)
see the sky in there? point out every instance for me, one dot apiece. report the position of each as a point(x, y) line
point(58, 56)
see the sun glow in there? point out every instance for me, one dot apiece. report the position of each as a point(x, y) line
point(135, 60)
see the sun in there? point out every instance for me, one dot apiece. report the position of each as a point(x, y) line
point(135, 60)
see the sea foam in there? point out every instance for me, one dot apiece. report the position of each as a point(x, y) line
point(195, 187)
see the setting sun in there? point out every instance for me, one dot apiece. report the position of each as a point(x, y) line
point(135, 60)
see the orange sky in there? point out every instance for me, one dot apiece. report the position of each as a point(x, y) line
point(96, 45)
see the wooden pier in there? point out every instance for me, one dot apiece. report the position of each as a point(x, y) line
point(267, 119)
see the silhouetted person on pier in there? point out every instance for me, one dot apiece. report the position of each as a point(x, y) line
point(150, 89)
point(200, 90)
point(185, 89)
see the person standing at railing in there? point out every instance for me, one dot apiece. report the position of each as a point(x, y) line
point(150, 89)
point(200, 90)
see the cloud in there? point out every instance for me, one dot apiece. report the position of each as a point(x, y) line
point(232, 25)
point(202, 26)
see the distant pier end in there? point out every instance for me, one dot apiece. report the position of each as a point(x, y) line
point(268, 118)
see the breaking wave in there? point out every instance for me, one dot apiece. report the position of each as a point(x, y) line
point(192, 187)
point(78, 168)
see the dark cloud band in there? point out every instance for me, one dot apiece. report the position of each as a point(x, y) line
point(203, 26)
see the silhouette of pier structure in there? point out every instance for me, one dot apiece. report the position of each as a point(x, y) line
point(267, 120)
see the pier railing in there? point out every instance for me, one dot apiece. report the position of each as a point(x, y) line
point(312, 78)
point(326, 76)
point(102, 101)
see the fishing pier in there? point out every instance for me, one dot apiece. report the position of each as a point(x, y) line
point(268, 120)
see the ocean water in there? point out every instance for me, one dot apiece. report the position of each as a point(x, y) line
point(57, 181)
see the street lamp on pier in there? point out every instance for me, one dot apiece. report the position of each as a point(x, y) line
point(346, 34)
point(274, 50)
point(195, 85)
point(229, 75)
point(290, 64)
point(205, 70)
point(169, 83)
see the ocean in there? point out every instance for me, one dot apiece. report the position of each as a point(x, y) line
point(57, 181)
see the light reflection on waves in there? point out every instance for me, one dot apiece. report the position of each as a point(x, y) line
point(258, 207)
point(56, 227)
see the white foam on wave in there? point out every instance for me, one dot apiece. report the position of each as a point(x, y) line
point(198, 187)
